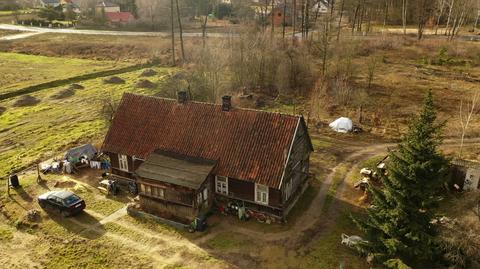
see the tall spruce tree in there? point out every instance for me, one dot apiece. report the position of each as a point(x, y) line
point(398, 224)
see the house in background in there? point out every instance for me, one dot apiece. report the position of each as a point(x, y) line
point(106, 7)
point(182, 154)
point(50, 3)
point(71, 5)
point(119, 17)
point(282, 12)
point(112, 13)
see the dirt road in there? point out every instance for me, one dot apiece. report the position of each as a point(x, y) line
point(313, 214)
point(40, 30)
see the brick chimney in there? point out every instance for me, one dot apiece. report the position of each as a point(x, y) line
point(182, 97)
point(226, 102)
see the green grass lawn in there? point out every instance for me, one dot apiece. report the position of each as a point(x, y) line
point(32, 133)
point(21, 70)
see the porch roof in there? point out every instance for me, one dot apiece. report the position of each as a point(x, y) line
point(177, 169)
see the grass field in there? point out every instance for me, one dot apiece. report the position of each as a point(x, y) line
point(98, 47)
point(20, 70)
point(30, 133)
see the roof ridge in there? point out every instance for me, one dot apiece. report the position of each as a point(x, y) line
point(215, 104)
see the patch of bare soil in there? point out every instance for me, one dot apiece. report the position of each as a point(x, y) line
point(26, 100)
point(149, 73)
point(145, 84)
point(63, 94)
point(76, 86)
point(2, 110)
point(114, 80)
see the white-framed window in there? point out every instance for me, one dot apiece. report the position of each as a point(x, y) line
point(261, 194)
point(123, 162)
point(147, 189)
point(152, 190)
point(221, 185)
point(161, 192)
point(205, 194)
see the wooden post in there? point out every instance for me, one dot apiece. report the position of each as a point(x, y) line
point(39, 178)
point(8, 186)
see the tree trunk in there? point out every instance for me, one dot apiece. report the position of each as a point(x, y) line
point(355, 16)
point(439, 16)
point(369, 23)
point(284, 18)
point(449, 16)
point(385, 18)
point(307, 17)
point(362, 14)
point(204, 30)
point(404, 16)
point(302, 13)
point(181, 31)
point(460, 22)
point(294, 19)
point(265, 16)
point(273, 18)
point(173, 31)
point(476, 20)
point(340, 20)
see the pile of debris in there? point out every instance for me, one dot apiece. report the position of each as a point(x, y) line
point(149, 73)
point(75, 159)
point(26, 100)
point(114, 80)
point(63, 94)
point(145, 84)
point(75, 86)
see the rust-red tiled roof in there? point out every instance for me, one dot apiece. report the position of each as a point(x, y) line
point(119, 16)
point(248, 144)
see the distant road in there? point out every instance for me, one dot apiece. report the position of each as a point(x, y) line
point(40, 30)
point(19, 36)
point(100, 32)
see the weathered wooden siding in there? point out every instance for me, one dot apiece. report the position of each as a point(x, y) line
point(297, 168)
point(173, 193)
point(274, 197)
point(241, 189)
point(180, 213)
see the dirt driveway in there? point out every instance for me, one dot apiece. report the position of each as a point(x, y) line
point(106, 225)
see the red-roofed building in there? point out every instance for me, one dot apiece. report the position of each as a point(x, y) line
point(119, 17)
point(182, 153)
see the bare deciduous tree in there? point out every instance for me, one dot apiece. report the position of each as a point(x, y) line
point(467, 113)
point(181, 30)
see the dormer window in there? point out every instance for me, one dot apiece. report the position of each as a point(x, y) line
point(123, 162)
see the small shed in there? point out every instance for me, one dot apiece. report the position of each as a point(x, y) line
point(466, 174)
point(75, 154)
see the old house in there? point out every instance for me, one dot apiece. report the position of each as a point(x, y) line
point(183, 154)
point(106, 6)
point(49, 3)
point(119, 17)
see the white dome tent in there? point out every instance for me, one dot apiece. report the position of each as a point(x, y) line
point(342, 125)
